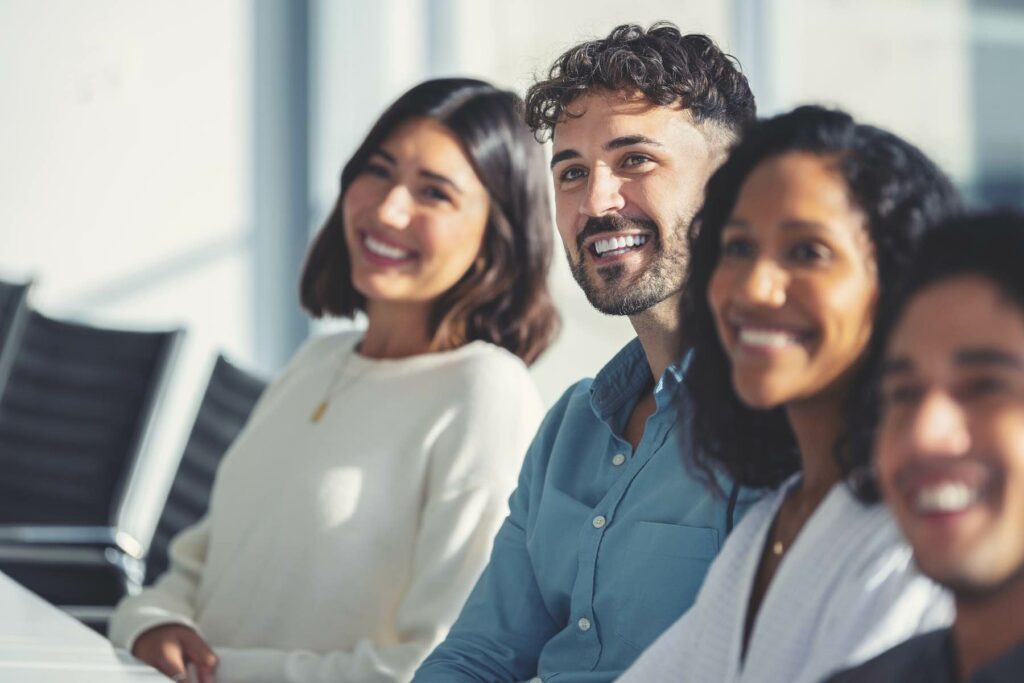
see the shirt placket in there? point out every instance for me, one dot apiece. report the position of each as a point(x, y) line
point(617, 457)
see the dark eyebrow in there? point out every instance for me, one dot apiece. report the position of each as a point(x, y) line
point(988, 355)
point(616, 143)
point(737, 223)
point(630, 140)
point(563, 155)
point(799, 224)
point(434, 175)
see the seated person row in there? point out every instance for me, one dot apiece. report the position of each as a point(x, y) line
point(581, 581)
point(351, 517)
point(803, 237)
point(950, 450)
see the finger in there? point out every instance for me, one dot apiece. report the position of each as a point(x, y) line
point(204, 674)
point(170, 660)
point(197, 651)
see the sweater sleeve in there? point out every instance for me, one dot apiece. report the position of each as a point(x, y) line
point(471, 472)
point(505, 623)
point(171, 599)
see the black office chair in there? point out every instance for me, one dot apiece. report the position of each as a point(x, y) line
point(74, 414)
point(228, 399)
point(230, 396)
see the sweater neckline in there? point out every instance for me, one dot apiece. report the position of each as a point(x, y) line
point(354, 362)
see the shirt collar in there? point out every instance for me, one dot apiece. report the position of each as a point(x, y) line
point(620, 381)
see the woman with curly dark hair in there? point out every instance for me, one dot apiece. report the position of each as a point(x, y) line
point(352, 515)
point(801, 242)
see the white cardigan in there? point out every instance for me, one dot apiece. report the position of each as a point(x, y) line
point(845, 591)
point(343, 550)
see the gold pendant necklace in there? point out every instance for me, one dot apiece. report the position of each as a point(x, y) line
point(333, 391)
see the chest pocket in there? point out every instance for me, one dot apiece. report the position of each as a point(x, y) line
point(663, 570)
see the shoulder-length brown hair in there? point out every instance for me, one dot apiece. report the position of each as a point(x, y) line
point(503, 298)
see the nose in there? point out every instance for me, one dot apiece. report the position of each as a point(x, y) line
point(939, 427)
point(762, 284)
point(603, 194)
point(395, 209)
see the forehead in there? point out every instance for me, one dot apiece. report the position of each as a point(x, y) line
point(795, 182)
point(966, 311)
point(429, 145)
point(594, 119)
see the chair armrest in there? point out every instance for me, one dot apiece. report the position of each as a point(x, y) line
point(69, 535)
point(130, 569)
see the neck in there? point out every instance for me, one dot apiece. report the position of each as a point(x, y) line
point(987, 628)
point(395, 330)
point(816, 424)
point(660, 334)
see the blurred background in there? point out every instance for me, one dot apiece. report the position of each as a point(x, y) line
point(164, 162)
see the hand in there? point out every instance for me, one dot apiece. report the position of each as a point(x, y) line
point(171, 648)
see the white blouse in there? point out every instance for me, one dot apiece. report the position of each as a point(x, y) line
point(343, 550)
point(845, 591)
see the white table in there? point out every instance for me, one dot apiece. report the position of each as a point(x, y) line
point(41, 644)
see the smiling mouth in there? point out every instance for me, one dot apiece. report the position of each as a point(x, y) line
point(607, 247)
point(946, 487)
point(767, 339)
point(384, 250)
point(945, 497)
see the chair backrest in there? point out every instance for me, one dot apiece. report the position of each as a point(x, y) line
point(13, 311)
point(229, 398)
point(74, 412)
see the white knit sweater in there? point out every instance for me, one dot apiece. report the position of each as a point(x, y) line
point(845, 591)
point(343, 550)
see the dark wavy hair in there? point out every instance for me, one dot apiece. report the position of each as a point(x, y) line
point(660, 62)
point(989, 245)
point(902, 195)
point(503, 298)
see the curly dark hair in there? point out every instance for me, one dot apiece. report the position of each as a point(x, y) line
point(659, 62)
point(504, 297)
point(902, 195)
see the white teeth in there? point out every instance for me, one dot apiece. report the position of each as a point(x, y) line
point(945, 497)
point(768, 338)
point(385, 250)
point(618, 243)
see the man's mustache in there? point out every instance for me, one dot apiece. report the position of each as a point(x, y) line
point(597, 225)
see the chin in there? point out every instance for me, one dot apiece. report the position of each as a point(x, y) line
point(757, 394)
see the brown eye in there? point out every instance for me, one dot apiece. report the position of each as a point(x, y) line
point(809, 252)
point(376, 170)
point(570, 174)
point(737, 248)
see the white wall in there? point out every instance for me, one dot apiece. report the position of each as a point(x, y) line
point(125, 172)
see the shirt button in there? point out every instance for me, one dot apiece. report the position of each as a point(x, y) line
point(618, 459)
point(584, 624)
point(599, 522)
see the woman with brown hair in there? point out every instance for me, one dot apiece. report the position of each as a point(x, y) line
point(354, 512)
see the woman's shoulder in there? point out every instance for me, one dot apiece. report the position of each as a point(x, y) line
point(488, 367)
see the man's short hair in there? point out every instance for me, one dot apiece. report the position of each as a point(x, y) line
point(660, 62)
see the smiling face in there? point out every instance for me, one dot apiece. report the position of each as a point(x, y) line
point(414, 217)
point(628, 177)
point(950, 447)
point(794, 290)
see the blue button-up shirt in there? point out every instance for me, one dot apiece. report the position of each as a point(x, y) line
point(603, 548)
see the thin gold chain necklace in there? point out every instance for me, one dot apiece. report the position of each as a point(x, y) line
point(333, 391)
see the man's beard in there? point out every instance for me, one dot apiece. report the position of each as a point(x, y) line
point(610, 290)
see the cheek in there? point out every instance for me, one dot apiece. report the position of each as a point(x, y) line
point(852, 305)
